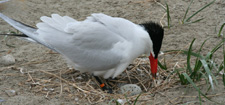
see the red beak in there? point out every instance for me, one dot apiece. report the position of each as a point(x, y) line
point(154, 65)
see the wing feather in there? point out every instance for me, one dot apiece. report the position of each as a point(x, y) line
point(122, 27)
point(92, 46)
point(99, 43)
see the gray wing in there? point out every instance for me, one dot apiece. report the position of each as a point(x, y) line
point(89, 44)
point(92, 44)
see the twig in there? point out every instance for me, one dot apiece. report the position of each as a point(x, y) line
point(146, 71)
point(37, 62)
point(30, 77)
point(61, 86)
point(46, 96)
point(159, 4)
point(128, 76)
point(162, 19)
point(141, 84)
point(72, 84)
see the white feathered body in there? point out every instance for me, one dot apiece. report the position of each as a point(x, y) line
point(101, 44)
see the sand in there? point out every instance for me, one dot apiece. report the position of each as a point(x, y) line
point(17, 80)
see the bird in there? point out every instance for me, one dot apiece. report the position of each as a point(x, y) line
point(101, 44)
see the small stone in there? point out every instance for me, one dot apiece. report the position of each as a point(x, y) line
point(2, 99)
point(79, 78)
point(10, 92)
point(7, 60)
point(121, 101)
point(2, 1)
point(130, 89)
point(76, 99)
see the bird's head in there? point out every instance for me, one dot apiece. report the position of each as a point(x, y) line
point(156, 34)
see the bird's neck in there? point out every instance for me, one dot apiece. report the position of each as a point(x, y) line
point(143, 43)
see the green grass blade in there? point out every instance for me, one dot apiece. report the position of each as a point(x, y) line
point(136, 99)
point(168, 14)
point(127, 99)
point(220, 68)
point(189, 18)
point(208, 71)
point(209, 55)
point(194, 21)
point(221, 28)
point(193, 84)
point(200, 98)
point(217, 46)
point(185, 52)
point(205, 77)
point(182, 79)
point(197, 69)
point(198, 64)
point(189, 57)
point(223, 65)
point(162, 66)
point(223, 79)
point(185, 15)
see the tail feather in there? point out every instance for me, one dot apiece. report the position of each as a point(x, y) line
point(27, 30)
point(58, 22)
point(22, 36)
point(19, 35)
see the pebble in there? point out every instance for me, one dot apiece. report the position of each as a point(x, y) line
point(130, 89)
point(2, 1)
point(121, 101)
point(7, 60)
point(10, 92)
point(2, 99)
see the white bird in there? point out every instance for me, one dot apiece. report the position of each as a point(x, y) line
point(101, 44)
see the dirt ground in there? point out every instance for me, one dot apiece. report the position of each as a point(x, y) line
point(41, 77)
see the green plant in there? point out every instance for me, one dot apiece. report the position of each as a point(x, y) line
point(188, 20)
point(168, 14)
point(136, 99)
point(220, 31)
point(163, 66)
point(202, 68)
point(185, 20)
point(223, 65)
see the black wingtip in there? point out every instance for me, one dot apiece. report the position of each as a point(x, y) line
point(18, 35)
point(24, 24)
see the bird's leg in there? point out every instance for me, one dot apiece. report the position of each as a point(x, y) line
point(103, 85)
point(111, 81)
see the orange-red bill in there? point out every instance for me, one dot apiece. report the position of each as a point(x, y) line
point(154, 65)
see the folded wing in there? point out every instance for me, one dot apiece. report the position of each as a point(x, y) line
point(89, 44)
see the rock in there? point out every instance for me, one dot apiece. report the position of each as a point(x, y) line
point(121, 101)
point(130, 89)
point(2, 1)
point(10, 92)
point(2, 99)
point(7, 60)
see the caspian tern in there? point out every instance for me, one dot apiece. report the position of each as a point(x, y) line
point(101, 44)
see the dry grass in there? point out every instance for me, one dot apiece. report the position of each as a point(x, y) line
point(73, 84)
